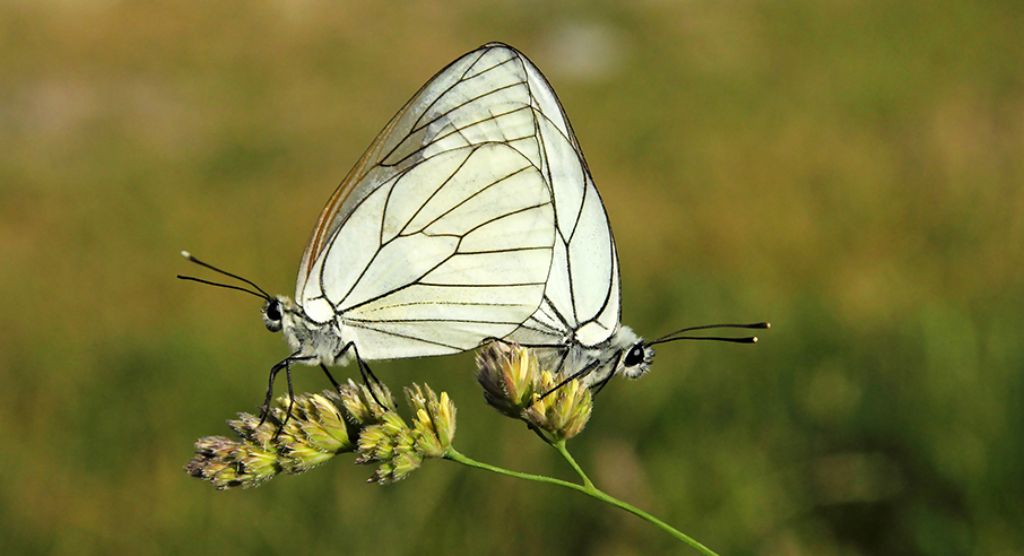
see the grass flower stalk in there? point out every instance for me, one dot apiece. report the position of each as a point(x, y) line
point(516, 386)
point(589, 490)
point(350, 420)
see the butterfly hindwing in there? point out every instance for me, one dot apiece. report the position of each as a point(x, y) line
point(581, 300)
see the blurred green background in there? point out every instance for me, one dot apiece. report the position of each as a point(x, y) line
point(851, 171)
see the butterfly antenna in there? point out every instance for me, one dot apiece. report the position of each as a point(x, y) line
point(673, 336)
point(754, 325)
point(744, 340)
point(262, 293)
point(220, 285)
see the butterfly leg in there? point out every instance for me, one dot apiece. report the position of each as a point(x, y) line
point(603, 383)
point(291, 397)
point(265, 408)
point(561, 361)
point(285, 364)
point(578, 374)
point(368, 377)
point(367, 374)
point(364, 372)
point(330, 377)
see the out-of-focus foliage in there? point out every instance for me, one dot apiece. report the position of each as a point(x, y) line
point(851, 171)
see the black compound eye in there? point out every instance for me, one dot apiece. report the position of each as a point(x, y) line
point(635, 356)
point(274, 311)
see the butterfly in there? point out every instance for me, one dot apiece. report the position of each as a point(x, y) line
point(577, 330)
point(441, 235)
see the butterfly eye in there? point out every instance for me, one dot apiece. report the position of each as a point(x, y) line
point(272, 315)
point(635, 356)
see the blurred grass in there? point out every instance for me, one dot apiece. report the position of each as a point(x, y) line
point(850, 170)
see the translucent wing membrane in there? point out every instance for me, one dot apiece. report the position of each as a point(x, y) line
point(474, 100)
point(581, 301)
point(466, 263)
point(444, 232)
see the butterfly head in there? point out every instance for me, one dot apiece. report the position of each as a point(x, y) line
point(636, 360)
point(281, 313)
point(634, 355)
point(273, 314)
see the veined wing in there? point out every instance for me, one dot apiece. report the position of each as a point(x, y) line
point(481, 97)
point(582, 298)
point(442, 234)
point(453, 251)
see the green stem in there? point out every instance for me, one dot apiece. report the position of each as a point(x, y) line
point(560, 446)
point(589, 489)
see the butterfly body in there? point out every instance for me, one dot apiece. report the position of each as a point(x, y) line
point(312, 343)
point(621, 353)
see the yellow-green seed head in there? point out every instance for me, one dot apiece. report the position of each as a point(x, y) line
point(508, 374)
point(303, 433)
point(228, 464)
point(360, 405)
point(515, 385)
point(434, 422)
point(562, 413)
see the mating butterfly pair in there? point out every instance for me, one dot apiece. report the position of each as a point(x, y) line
point(471, 216)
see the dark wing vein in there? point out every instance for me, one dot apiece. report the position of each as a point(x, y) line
point(462, 202)
point(509, 285)
point(468, 321)
point(404, 336)
point(441, 95)
point(443, 302)
point(466, 76)
point(460, 129)
point(464, 103)
point(429, 197)
point(433, 268)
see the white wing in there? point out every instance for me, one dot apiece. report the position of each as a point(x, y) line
point(581, 302)
point(442, 234)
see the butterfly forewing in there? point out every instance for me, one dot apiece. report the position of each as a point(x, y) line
point(459, 106)
point(442, 235)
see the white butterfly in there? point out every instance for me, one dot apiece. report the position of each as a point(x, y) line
point(442, 233)
point(577, 329)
